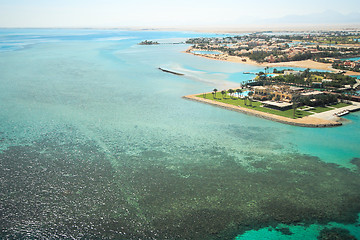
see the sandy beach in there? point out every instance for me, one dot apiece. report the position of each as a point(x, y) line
point(296, 64)
point(351, 73)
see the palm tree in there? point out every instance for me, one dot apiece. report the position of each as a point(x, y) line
point(223, 92)
point(245, 100)
point(266, 69)
point(215, 90)
point(250, 95)
point(295, 100)
point(238, 91)
point(231, 92)
point(294, 106)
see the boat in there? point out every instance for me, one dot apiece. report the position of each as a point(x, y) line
point(342, 113)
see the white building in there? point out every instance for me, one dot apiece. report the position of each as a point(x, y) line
point(291, 72)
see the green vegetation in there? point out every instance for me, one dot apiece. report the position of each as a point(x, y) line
point(319, 100)
point(325, 108)
point(307, 78)
point(340, 105)
point(260, 56)
point(282, 71)
point(319, 109)
point(214, 92)
point(256, 106)
point(316, 78)
point(337, 39)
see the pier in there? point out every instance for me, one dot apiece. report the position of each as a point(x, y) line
point(335, 114)
point(172, 72)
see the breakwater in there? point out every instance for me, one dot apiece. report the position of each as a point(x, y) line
point(172, 72)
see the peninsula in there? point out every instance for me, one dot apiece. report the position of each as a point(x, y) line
point(303, 117)
point(301, 98)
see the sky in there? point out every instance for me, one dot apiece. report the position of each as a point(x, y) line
point(159, 13)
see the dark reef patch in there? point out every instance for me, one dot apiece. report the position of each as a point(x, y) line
point(68, 189)
point(284, 231)
point(335, 234)
point(356, 162)
point(47, 193)
point(2, 137)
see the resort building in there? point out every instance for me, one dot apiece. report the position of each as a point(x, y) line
point(311, 93)
point(282, 106)
point(327, 80)
point(260, 90)
point(291, 72)
point(276, 92)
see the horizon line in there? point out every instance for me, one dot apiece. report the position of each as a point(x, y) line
point(214, 29)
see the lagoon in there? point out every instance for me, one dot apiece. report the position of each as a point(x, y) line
point(352, 59)
point(206, 52)
point(96, 142)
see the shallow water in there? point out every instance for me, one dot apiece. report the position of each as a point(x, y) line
point(97, 142)
point(206, 52)
point(352, 59)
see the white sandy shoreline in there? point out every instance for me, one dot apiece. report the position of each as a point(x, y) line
point(298, 64)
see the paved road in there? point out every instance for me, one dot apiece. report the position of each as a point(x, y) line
point(329, 115)
point(356, 84)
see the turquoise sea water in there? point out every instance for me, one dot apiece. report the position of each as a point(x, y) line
point(242, 94)
point(297, 232)
point(96, 142)
point(352, 59)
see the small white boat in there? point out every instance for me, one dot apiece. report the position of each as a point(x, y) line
point(342, 113)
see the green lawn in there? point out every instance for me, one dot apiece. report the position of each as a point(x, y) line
point(316, 78)
point(324, 109)
point(340, 105)
point(319, 109)
point(256, 106)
